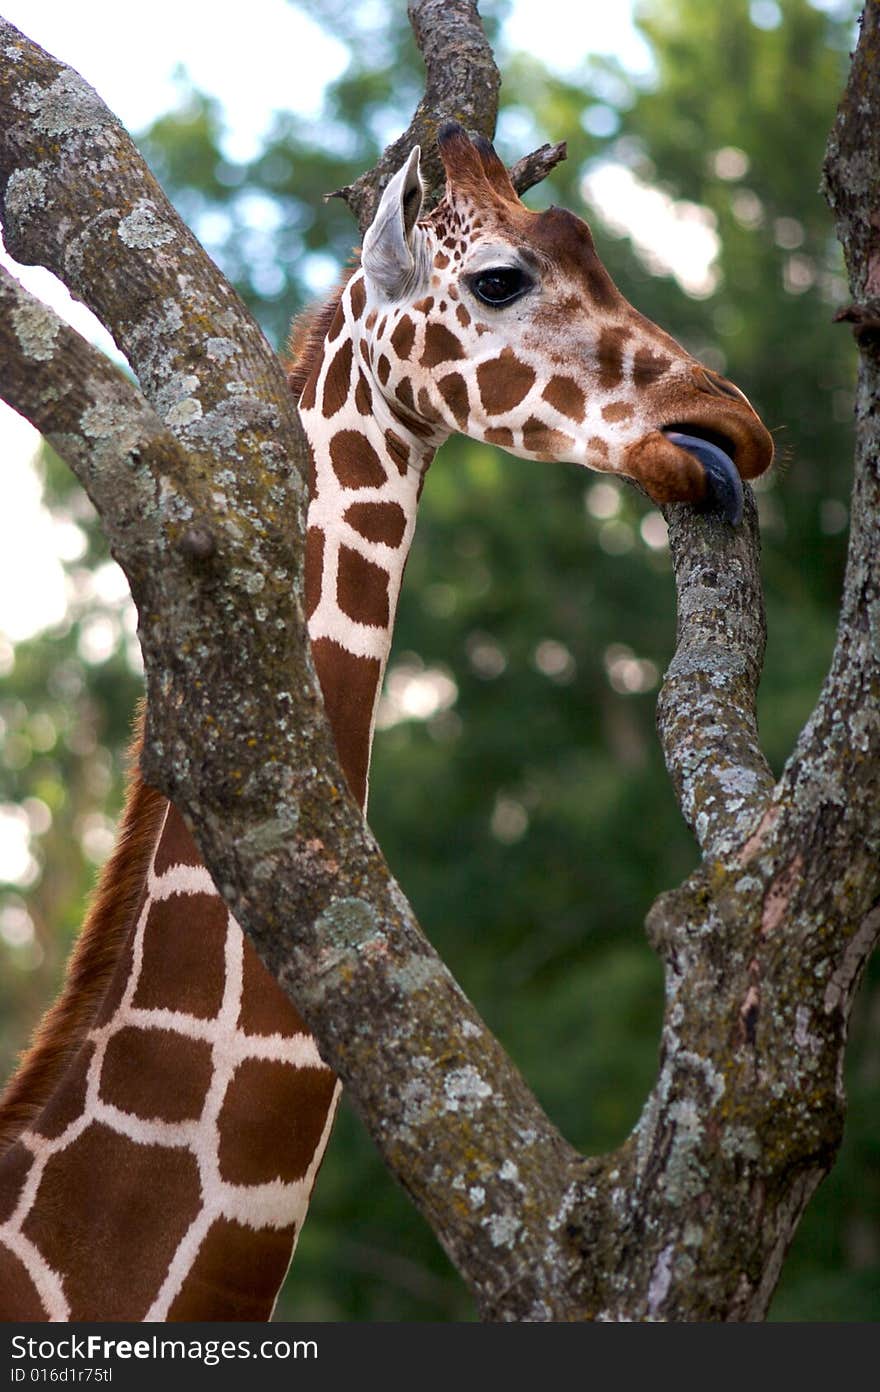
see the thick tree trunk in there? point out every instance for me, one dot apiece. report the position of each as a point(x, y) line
point(763, 946)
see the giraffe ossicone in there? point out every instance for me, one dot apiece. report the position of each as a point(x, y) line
point(159, 1142)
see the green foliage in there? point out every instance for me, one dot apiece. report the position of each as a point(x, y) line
point(530, 820)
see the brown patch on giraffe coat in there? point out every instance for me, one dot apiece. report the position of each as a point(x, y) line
point(68, 1102)
point(271, 1121)
point(566, 396)
point(337, 323)
point(305, 345)
point(337, 382)
point(314, 569)
point(404, 393)
point(184, 956)
point(124, 967)
point(21, 1300)
point(370, 320)
point(600, 287)
point(598, 445)
point(504, 382)
point(355, 463)
point(258, 1259)
point(349, 686)
point(16, 1167)
point(617, 411)
point(498, 435)
point(441, 345)
point(544, 441)
point(358, 296)
point(156, 1074)
point(383, 370)
point(609, 353)
point(648, 367)
point(379, 522)
point(413, 423)
point(403, 337)
point(441, 260)
point(363, 395)
point(311, 470)
point(427, 407)
point(362, 589)
point(398, 449)
point(424, 306)
point(92, 1191)
point(264, 1008)
point(309, 392)
point(462, 316)
point(176, 846)
point(453, 389)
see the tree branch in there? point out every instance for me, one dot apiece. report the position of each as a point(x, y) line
point(78, 199)
point(461, 84)
point(533, 168)
point(834, 775)
point(762, 946)
point(706, 712)
point(91, 414)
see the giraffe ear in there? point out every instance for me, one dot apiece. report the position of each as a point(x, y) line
point(390, 255)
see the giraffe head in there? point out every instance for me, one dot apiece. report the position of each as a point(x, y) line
point(502, 323)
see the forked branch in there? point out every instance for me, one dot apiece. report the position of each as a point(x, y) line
point(763, 946)
point(461, 84)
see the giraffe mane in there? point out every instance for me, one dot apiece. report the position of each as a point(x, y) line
point(307, 333)
point(90, 967)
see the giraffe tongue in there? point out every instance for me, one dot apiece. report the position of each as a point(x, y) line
point(724, 490)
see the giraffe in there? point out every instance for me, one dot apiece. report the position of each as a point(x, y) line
point(159, 1143)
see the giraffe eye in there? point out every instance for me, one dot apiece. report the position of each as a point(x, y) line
point(500, 285)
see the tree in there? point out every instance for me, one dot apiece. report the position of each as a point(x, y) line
point(698, 546)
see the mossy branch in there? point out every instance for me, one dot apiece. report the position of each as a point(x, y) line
point(706, 713)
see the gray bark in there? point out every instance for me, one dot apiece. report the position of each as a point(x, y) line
point(198, 475)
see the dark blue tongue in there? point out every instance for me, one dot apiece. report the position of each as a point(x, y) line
point(724, 485)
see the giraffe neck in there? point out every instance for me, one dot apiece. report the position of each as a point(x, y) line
point(167, 1174)
point(369, 459)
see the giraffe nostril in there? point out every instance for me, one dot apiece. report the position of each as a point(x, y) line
point(714, 385)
